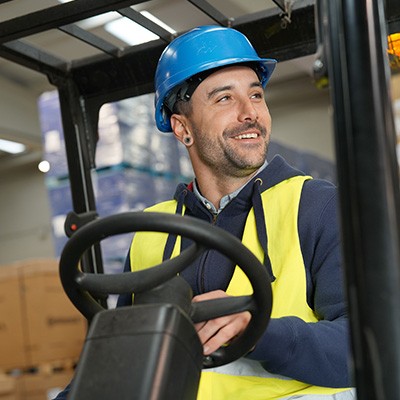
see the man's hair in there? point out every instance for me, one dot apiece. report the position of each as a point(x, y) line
point(182, 107)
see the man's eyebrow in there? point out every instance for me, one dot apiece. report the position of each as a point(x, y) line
point(230, 87)
point(217, 90)
point(256, 84)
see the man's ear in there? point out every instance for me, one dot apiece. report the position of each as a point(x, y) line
point(178, 124)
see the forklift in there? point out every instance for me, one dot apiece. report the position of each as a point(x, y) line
point(348, 38)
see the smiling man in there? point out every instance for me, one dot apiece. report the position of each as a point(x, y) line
point(210, 93)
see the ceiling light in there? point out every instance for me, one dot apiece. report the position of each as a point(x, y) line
point(44, 166)
point(133, 33)
point(130, 32)
point(125, 29)
point(97, 20)
point(157, 21)
point(11, 147)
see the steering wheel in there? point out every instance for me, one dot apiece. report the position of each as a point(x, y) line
point(79, 285)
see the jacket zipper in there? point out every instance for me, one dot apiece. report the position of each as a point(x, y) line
point(203, 260)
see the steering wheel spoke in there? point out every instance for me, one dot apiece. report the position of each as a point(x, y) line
point(139, 281)
point(210, 309)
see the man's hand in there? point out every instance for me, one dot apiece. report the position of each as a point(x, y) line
point(220, 331)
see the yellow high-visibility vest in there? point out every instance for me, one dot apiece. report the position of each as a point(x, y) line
point(245, 379)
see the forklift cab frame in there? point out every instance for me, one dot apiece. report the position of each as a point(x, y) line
point(349, 40)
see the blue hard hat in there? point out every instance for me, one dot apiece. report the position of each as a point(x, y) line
point(199, 50)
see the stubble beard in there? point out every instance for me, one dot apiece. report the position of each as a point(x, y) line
point(221, 156)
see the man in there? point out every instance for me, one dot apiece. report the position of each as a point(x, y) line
point(210, 94)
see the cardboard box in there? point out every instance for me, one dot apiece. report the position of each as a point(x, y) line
point(12, 339)
point(8, 388)
point(38, 323)
point(55, 328)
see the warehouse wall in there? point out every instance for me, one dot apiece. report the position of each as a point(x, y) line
point(301, 117)
point(18, 114)
point(24, 215)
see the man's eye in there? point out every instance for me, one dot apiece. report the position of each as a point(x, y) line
point(223, 98)
point(257, 96)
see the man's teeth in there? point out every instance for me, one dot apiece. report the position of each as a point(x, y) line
point(247, 136)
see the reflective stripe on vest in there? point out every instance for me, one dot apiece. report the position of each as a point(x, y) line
point(246, 379)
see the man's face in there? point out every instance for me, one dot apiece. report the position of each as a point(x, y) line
point(230, 122)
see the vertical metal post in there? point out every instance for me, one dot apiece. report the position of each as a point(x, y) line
point(368, 179)
point(80, 142)
point(78, 147)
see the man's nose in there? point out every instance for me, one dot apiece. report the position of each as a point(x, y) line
point(247, 111)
